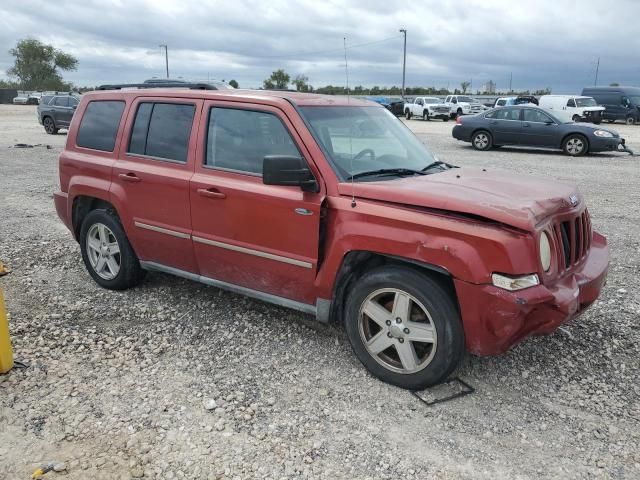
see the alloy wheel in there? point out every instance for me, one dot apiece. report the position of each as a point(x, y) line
point(103, 251)
point(481, 141)
point(397, 331)
point(48, 125)
point(575, 146)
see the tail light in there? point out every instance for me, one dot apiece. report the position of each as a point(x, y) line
point(459, 120)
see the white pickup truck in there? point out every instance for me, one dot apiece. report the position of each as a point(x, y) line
point(426, 108)
point(463, 105)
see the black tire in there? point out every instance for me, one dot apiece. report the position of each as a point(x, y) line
point(575, 118)
point(597, 121)
point(459, 112)
point(481, 140)
point(425, 115)
point(49, 126)
point(130, 273)
point(630, 120)
point(575, 139)
point(445, 119)
point(407, 114)
point(444, 317)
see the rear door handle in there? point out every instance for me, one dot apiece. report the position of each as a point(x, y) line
point(211, 193)
point(129, 177)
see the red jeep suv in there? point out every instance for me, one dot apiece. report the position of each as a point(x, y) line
point(330, 206)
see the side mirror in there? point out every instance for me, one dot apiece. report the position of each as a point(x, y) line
point(287, 170)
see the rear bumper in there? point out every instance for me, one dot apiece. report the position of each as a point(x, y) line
point(458, 132)
point(60, 199)
point(495, 319)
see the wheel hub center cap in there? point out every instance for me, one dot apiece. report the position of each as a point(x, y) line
point(396, 331)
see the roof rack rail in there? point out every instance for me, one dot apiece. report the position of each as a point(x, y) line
point(192, 86)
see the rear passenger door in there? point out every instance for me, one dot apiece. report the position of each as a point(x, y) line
point(62, 111)
point(261, 237)
point(151, 179)
point(506, 126)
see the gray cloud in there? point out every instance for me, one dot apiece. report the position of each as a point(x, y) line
point(543, 43)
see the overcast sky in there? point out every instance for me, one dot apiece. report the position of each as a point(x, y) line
point(544, 43)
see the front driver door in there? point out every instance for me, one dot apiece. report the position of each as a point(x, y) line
point(539, 129)
point(245, 233)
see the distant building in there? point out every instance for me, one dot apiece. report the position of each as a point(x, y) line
point(489, 87)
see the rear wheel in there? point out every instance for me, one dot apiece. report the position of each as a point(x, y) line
point(425, 115)
point(49, 126)
point(404, 327)
point(407, 114)
point(575, 145)
point(107, 253)
point(630, 120)
point(481, 140)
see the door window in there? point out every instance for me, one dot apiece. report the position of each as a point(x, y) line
point(508, 114)
point(62, 102)
point(240, 139)
point(419, 101)
point(99, 125)
point(162, 130)
point(571, 103)
point(536, 116)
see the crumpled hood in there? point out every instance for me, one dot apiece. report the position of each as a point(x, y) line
point(521, 201)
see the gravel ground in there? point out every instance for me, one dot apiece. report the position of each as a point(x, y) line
point(178, 380)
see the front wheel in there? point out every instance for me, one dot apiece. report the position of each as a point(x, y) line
point(107, 253)
point(407, 114)
point(404, 327)
point(576, 118)
point(575, 145)
point(425, 115)
point(630, 121)
point(481, 140)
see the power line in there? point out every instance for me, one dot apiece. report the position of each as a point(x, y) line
point(319, 52)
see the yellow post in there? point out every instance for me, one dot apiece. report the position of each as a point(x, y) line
point(6, 354)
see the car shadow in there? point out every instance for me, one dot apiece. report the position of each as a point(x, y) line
point(544, 151)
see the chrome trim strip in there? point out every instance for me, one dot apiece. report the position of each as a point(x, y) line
point(250, 251)
point(166, 231)
point(266, 297)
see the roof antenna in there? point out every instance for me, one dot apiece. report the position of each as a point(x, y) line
point(346, 71)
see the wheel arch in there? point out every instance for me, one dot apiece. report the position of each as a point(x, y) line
point(356, 263)
point(82, 205)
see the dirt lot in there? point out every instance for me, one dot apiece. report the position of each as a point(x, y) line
point(178, 380)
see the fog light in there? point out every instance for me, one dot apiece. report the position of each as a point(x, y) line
point(515, 283)
point(545, 251)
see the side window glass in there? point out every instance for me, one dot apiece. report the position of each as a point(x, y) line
point(73, 101)
point(240, 139)
point(531, 115)
point(62, 101)
point(491, 114)
point(162, 130)
point(99, 125)
point(571, 102)
point(419, 102)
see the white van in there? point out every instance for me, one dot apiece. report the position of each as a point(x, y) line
point(573, 108)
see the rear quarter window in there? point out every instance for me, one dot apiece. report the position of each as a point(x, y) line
point(99, 125)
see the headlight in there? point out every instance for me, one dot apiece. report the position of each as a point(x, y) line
point(603, 133)
point(515, 283)
point(545, 251)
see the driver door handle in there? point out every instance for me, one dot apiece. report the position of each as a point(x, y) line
point(211, 193)
point(129, 177)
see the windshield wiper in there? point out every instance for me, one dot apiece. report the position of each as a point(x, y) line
point(437, 163)
point(386, 171)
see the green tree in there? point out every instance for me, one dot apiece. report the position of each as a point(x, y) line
point(278, 80)
point(234, 84)
point(37, 65)
point(464, 85)
point(301, 83)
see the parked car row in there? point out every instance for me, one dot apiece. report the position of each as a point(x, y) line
point(451, 107)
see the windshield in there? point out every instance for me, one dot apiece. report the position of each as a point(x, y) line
point(586, 102)
point(431, 100)
point(466, 99)
point(634, 99)
point(362, 139)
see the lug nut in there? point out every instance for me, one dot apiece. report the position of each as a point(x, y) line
point(388, 322)
point(406, 330)
point(401, 340)
point(389, 334)
point(398, 320)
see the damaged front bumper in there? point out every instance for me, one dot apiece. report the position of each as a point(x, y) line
point(495, 319)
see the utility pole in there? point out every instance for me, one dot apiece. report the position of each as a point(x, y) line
point(595, 84)
point(404, 59)
point(166, 57)
point(510, 82)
